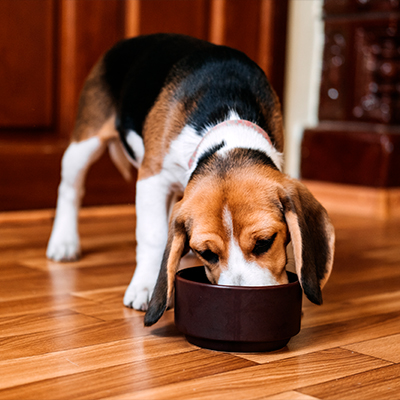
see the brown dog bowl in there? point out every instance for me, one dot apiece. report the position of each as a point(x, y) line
point(236, 318)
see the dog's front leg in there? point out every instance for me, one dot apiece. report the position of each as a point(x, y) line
point(151, 236)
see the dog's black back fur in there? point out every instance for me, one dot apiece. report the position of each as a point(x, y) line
point(221, 80)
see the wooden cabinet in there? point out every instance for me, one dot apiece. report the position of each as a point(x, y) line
point(358, 138)
point(47, 48)
point(27, 55)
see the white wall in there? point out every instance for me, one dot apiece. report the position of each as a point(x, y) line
point(303, 73)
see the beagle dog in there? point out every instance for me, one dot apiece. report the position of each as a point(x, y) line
point(204, 128)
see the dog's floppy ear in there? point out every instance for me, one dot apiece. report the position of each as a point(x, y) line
point(312, 235)
point(177, 246)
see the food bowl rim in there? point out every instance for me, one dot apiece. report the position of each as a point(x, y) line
point(234, 287)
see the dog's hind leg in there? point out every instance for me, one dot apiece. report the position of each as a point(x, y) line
point(94, 129)
point(64, 244)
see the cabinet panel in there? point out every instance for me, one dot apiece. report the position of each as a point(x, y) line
point(242, 26)
point(87, 29)
point(174, 16)
point(27, 54)
point(258, 28)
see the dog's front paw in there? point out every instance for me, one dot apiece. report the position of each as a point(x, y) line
point(138, 294)
point(63, 248)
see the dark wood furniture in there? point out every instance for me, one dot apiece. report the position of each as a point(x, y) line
point(358, 138)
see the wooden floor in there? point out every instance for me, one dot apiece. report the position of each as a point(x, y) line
point(64, 333)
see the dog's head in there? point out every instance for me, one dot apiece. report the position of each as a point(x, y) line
point(238, 216)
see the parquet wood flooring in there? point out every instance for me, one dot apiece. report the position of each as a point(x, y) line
point(65, 334)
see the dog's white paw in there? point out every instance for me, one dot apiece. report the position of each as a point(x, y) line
point(63, 249)
point(138, 294)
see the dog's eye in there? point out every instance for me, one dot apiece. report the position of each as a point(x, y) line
point(209, 256)
point(262, 246)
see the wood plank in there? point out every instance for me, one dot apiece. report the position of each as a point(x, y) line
point(109, 296)
point(291, 395)
point(372, 270)
point(19, 252)
point(267, 379)
point(67, 281)
point(43, 322)
point(335, 334)
point(12, 271)
point(25, 370)
point(350, 309)
point(27, 345)
point(107, 312)
point(381, 203)
point(382, 384)
point(130, 377)
point(106, 304)
point(336, 291)
point(93, 255)
point(386, 348)
point(55, 302)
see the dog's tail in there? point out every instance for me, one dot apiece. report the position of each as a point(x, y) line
point(119, 159)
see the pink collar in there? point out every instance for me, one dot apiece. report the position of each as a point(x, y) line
point(233, 122)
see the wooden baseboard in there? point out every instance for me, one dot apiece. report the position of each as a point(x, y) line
point(380, 203)
point(85, 213)
point(30, 175)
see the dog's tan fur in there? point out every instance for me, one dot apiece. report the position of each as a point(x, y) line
point(96, 117)
point(163, 123)
point(96, 111)
point(254, 218)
